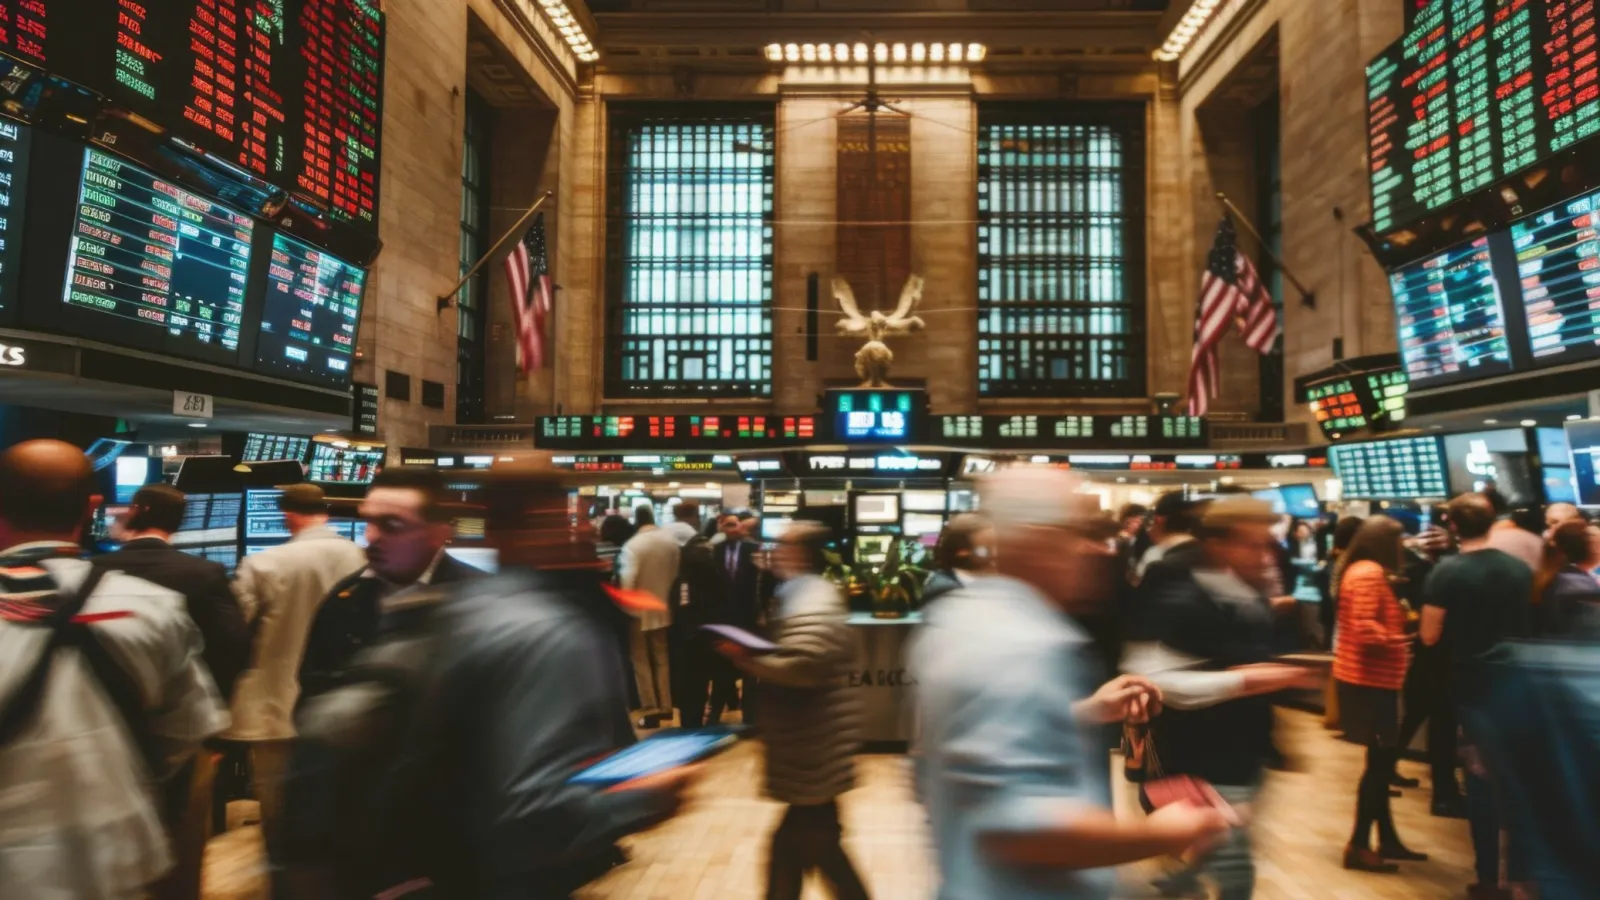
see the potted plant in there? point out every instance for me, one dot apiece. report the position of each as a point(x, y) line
point(891, 589)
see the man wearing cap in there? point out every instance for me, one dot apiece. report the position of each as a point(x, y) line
point(1209, 646)
point(1010, 762)
point(280, 590)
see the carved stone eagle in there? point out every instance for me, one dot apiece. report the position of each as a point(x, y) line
point(874, 357)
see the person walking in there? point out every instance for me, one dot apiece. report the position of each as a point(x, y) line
point(811, 717)
point(1208, 647)
point(155, 514)
point(281, 589)
point(90, 738)
point(649, 562)
point(1370, 669)
point(1009, 760)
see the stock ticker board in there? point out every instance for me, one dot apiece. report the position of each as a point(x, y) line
point(1558, 264)
point(1450, 316)
point(148, 252)
point(1477, 90)
point(1404, 469)
point(288, 90)
point(309, 317)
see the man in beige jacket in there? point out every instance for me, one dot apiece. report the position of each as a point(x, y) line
point(649, 562)
point(280, 590)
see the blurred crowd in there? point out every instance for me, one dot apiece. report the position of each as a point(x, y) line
point(413, 727)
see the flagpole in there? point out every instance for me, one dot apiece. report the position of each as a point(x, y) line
point(1307, 297)
point(445, 300)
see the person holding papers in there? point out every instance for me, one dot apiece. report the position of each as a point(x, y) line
point(810, 718)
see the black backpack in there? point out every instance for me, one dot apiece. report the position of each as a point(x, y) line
point(21, 707)
point(366, 809)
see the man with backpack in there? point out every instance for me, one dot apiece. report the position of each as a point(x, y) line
point(438, 762)
point(103, 694)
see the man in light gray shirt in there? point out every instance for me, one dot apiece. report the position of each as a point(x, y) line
point(1010, 768)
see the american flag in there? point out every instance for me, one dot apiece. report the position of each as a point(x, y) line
point(528, 270)
point(1230, 294)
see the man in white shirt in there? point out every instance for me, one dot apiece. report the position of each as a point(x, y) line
point(79, 793)
point(649, 562)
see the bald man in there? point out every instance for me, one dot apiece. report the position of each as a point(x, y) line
point(65, 811)
point(1556, 513)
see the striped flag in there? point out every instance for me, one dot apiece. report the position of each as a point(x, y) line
point(532, 295)
point(1231, 295)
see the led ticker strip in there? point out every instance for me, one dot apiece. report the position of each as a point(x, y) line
point(840, 53)
point(667, 432)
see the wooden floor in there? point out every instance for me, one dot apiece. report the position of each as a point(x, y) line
point(717, 847)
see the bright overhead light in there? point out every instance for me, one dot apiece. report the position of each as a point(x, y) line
point(955, 52)
point(918, 52)
point(1192, 23)
point(936, 52)
point(860, 52)
point(808, 52)
point(791, 52)
point(197, 424)
point(976, 52)
point(1574, 417)
point(880, 52)
point(899, 53)
point(824, 52)
point(567, 25)
point(1528, 423)
point(1491, 421)
point(775, 52)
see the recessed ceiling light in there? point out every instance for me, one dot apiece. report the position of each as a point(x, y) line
point(1528, 423)
point(1491, 421)
point(197, 424)
point(1574, 417)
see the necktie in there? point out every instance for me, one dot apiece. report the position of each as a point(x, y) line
point(733, 559)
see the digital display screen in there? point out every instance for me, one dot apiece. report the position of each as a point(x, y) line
point(263, 521)
point(209, 519)
point(673, 432)
point(1105, 431)
point(873, 416)
point(1499, 458)
point(1338, 408)
point(1558, 264)
point(288, 90)
point(259, 447)
point(157, 256)
point(1584, 439)
point(1403, 469)
point(1450, 316)
point(1477, 90)
point(875, 509)
point(344, 465)
point(309, 317)
point(15, 142)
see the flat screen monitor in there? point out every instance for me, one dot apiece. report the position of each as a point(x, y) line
point(15, 142)
point(1479, 459)
point(150, 259)
point(484, 559)
point(310, 315)
point(263, 521)
point(1451, 318)
point(877, 509)
point(1584, 438)
point(774, 527)
point(1558, 486)
point(1298, 500)
point(1404, 469)
point(132, 473)
point(923, 501)
point(261, 447)
point(344, 465)
point(354, 529)
point(920, 524)
point(874, 416)
point(1556, 254)
point(1553, 447)
point(210, 519)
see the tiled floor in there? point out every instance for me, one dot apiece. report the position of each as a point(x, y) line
point(717, 848)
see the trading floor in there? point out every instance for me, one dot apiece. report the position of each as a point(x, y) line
point(717, 848)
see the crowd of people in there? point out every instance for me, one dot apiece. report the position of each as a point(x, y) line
point(412, 726)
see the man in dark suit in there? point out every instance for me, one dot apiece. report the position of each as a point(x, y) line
point(147, 552)
point(743, 588)
point(408, 526)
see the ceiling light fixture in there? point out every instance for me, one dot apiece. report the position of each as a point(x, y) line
point(564, 22)
point(197, 424)
point(1574, 417)
point(1528, 423)
point(899, 54)
point(1183, 33)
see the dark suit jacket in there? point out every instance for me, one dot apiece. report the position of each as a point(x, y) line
point(350, 618)
point(742, 599)
point(205, 590)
